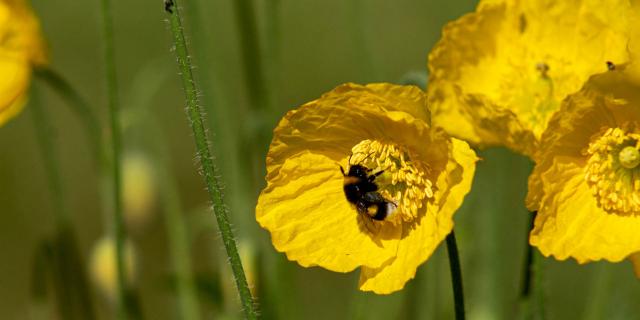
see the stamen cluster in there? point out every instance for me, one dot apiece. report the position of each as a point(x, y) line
point(404, 181)
point(612, 170)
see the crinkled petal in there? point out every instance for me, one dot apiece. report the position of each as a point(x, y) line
point(310, 219)
point(340, 119)
point(409, 99)
point(570, 223)
point(497, 75)
point(419, 243)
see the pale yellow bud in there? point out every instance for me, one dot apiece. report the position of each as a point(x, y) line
point(103, 267)
point(138, 189)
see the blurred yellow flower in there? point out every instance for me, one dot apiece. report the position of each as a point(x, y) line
point(21, 48)
point(138, 189)
point(497, 75)
point(420, 173)
point(103, 267)
point(586, 184)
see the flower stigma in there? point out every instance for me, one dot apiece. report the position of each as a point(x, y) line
point(404, 182)
point(612, 170)
point(629, 157)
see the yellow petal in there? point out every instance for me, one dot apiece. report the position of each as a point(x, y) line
point(570, 223)
point(418, 243)
point(14, 81)
point(309, 218)
point(409, 99)
point(21, 47)
point(498, 74)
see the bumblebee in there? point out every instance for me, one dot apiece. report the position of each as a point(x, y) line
point(362, 191)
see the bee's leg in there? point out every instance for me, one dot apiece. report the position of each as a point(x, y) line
point(368, 223)
point(342, 170)
point(361, 206)
point(372, 177)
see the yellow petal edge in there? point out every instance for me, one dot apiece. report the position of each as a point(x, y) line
point(22, 49)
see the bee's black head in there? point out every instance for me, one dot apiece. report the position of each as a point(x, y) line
point(358, 171)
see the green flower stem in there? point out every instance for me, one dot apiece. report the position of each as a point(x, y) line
point(216, 101)
point(176, 226)
point(251, 54)
point(69, 278)
point(600, 293)
point(538, 281)
point(79, 106)
point(61, 212)
point(179, 247)
point(273, 46)
point(456, 275)
point(50, 156)
point(528, 264)
point(119, 232)
point(195, 117)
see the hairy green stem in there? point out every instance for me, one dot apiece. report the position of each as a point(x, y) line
point(119, 231)
point(215, 100)
point(195, 117)
point(456, 275)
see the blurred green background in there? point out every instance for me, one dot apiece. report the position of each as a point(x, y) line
point(302, 49)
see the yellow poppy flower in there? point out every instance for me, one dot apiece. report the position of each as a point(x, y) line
point(422, 176)
point(21, 48)
point(586, 183)
point(498, 74)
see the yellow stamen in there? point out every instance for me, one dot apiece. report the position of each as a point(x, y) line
point(612, 170)
point(404, 181)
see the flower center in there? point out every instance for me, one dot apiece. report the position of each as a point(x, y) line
point(612, 170)
point(404, 180)
point(629, 157)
